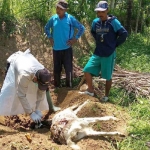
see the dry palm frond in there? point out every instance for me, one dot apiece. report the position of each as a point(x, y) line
point(138, 83)
point(132, 82)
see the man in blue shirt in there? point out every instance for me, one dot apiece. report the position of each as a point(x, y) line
point(108, 34)
point(60, 30)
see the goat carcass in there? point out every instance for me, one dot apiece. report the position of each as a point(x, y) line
point(67, 128)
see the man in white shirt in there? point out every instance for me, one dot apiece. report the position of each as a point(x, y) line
point(19, 91)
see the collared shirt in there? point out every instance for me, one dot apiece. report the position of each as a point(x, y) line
point(62, 30)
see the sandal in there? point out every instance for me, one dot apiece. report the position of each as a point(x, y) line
point(104, 99)
point(87, 93)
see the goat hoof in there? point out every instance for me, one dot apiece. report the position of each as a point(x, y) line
point(75, 147)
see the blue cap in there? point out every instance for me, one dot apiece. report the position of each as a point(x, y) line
point(101, 6)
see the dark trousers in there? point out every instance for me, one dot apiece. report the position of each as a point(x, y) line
point(63, 58)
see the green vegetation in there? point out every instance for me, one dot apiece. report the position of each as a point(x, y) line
point(139, 125)
point(134, 54)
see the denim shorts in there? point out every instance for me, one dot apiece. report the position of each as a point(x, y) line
point(101, 65)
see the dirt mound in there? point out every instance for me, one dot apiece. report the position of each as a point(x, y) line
point(15, 134)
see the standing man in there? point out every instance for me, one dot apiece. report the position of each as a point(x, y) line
point(60, 31)
point(108, 34)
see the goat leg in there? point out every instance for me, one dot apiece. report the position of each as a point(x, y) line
point(81, 106)
point(95, 119)
point(90, 132)
point(71, 144)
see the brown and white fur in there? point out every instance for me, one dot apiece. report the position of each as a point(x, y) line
point(67, 128)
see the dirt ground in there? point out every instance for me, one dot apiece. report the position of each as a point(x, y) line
point(15, 130)
point(13, 133)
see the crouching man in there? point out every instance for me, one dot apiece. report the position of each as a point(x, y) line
point(19, 94)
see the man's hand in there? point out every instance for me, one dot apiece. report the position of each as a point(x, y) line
point(72, 41)
point(36, 118)
point(39, 113)
point(51, 41)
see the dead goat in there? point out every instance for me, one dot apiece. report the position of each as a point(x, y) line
point(67, 128)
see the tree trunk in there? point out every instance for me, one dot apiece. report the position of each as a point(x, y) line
point(142, 21)
point(112, 4)
point(129, 15)
point(138, 16)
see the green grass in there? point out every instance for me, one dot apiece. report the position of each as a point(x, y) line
point(134, 54)
point(139, 134)
point(139, 124)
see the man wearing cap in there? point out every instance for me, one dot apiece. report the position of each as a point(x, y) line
point(108, 34)
point(60, 30)
point(19, 95)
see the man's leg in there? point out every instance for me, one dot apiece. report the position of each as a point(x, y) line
point(57, 67)
point(88, 78)
point(68, 65)
point(52, 108)
point(108, 87)
point(92, 68)
point(56, 79)
point(107, 71)
point(49, 100)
